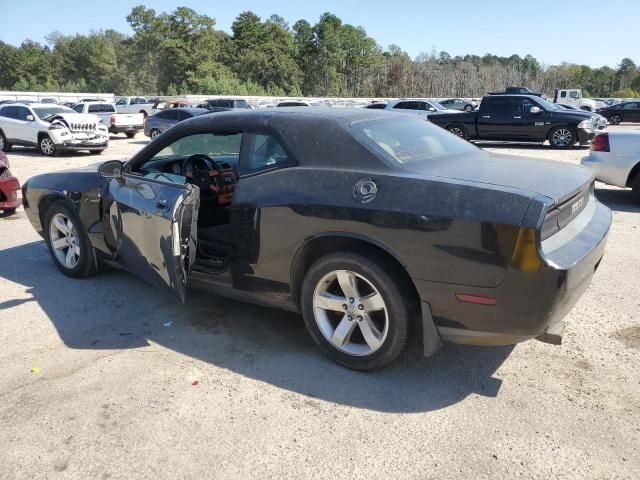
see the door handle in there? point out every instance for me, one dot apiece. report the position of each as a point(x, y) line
point(486, 116)
point(162, 204)
point(517, 117)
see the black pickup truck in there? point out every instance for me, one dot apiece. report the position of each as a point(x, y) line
point(520, 118)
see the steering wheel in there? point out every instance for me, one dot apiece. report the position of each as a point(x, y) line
point(196, 170)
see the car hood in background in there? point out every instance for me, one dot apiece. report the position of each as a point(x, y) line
point(555, 180)
point(76, 118)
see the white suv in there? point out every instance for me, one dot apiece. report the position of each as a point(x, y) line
point(52, 128)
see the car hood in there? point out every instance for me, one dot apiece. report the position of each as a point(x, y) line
point(75, 118)
point(555, 180)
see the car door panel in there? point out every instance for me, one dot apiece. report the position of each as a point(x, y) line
point(155, 228)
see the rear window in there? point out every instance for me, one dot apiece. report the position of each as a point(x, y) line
point(411, 140)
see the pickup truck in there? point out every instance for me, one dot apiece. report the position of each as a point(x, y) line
point(518, 91)
point(520, 118)
point(135, 105)
point(127, 123)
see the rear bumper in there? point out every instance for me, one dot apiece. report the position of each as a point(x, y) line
point(535, 295)
point(9, 188)
point(125, 128)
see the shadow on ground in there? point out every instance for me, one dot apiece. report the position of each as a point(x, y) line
point(522, 146)
point(618, 200)
point(116, 311)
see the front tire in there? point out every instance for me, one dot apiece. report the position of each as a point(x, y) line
point(67, 241)
point(154, 133)
point(635, 187)
point(562, 137)
point(468, 108)
point(355, 309)
point(47, 147)
point(4, 145)
point(615, 119)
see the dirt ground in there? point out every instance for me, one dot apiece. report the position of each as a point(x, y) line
point(115, 398)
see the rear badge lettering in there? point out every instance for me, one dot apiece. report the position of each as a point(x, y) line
point(576, 206)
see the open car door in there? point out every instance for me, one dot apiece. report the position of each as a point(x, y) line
point(154, 225)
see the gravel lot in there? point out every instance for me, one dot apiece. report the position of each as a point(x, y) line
point(114, 395)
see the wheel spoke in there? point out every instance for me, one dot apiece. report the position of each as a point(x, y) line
point(347, 281)
point(69, 260)
point(371, 334)
point(372, 302)
point(76, 250)
point(59, 243)
point(61, 225)
point(329, 301)
point(343, 331)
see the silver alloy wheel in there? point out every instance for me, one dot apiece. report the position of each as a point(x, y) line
point(1, 142)
point(616, 119)
point(350, 312)
point(47, 146)
point(64, 240)
point(562, 137)
point(154, 134)
point(457, 131)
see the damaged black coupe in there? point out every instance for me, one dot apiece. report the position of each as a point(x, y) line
point(376, 228)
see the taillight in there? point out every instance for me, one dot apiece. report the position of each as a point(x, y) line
point(113, 119)
point(600, 143)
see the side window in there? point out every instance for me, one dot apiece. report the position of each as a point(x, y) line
point(573, 94)
point(403, 105)
point(10, 112)
point(170, 114)
point(213, 145)
point(630, 105)
point(264, 152)
point(563, 94)
point(79, 107)
point(122, 101)
point(107, 107)
point(22, 113)
point(97, 108)
point(182, 115)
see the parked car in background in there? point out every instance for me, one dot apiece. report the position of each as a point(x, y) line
point(127, 123)
point(376, 106)
point(520, 118)
point(377, 230)
point(574, 97)
point(293, 103)
point(164, 119)
point(621, 112)
point(458, 104)
point(615, 159)
point(518, 91)
point(225, 103)
point(419, 106)
point(9, 187)
point(134, 105)
point(52, 128)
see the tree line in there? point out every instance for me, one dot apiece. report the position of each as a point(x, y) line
point(182, 52)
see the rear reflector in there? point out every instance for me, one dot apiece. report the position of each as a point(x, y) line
point(478, 299)
point(600, 143)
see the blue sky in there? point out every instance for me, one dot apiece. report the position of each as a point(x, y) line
point(551, 31)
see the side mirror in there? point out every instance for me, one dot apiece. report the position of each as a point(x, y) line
point(29, 118)
point(535, 110)
point(111, 169)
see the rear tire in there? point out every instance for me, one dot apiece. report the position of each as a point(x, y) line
point(154, 133)
point(458, 131)
point(615, 119)
point(47, 147)
point(8, 211)
point(80, 262)
point(635, 187)
point(4, 145)
point(130, 134)
point(372, 330)
point(562, 137)
point(468, 108)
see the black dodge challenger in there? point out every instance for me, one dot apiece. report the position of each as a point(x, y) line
point(375, 228)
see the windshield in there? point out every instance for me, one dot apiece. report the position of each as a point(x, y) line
point(44, 112)
point(546, 105)
point(411, 140)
